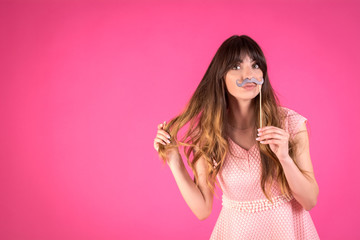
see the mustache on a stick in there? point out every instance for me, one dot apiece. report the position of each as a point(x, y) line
point(252, 80)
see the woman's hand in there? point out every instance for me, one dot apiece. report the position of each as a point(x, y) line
point(278, 140)
point(164, 138)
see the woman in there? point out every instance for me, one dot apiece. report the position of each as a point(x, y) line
point(257, 149)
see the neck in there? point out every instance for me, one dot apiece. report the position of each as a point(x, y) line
point(241, 114)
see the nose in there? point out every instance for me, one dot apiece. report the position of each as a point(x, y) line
point(247, 73)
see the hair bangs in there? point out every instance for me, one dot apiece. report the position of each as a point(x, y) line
point(238, 49)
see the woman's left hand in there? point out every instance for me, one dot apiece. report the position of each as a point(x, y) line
point(278, 140)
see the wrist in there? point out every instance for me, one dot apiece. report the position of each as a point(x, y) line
point(285, 159)
point(174, 160)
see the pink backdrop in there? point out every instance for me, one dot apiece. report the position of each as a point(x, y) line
point(84, 85)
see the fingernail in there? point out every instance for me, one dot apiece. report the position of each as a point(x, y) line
point(168, 136)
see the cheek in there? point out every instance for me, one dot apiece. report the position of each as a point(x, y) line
point(231, 85)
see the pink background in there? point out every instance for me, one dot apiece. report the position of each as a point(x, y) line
point(84, 85)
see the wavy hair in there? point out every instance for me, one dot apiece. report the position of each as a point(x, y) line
point(206, 113)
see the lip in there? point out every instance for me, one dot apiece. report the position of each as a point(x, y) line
point(249, 86)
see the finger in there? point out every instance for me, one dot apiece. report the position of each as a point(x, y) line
point(162, 137)
point(264, 129)
point(164, 133)
point(270, 130)
point(157, 142)
point(269, 136)
point(160, 126)
point(267, 128)
point(156, 146)
point(272, 141)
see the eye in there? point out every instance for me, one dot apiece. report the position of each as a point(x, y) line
point(237, 66)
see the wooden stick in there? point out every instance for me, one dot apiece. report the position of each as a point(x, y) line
point(260, 108)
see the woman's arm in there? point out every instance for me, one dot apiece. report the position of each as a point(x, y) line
point(199, 199)
point(305, 190)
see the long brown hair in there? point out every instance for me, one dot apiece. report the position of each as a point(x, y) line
point(206, 115)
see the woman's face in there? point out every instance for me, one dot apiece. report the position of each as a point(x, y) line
point(245, 69)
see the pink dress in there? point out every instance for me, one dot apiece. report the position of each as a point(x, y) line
point(246, 212)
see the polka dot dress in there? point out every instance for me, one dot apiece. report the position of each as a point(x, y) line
point(246, 212)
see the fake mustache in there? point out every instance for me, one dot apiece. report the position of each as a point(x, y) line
point(246, 80)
